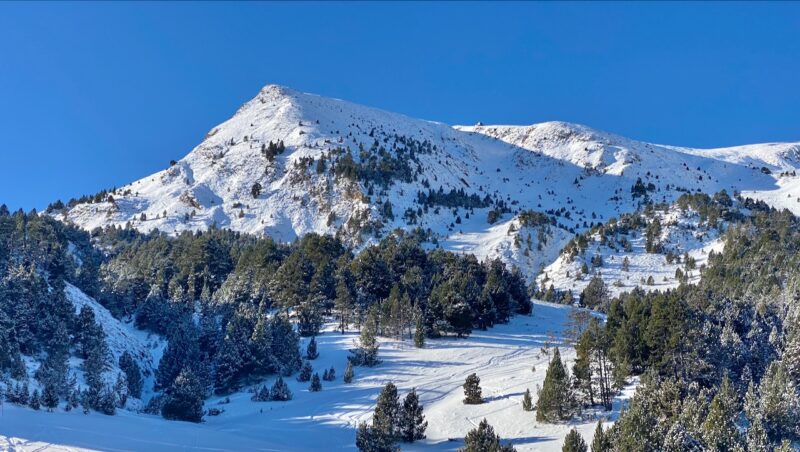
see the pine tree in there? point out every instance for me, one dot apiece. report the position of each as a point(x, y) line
point(369, 439)
point(757, 439)
point(412, 421)
point(133, 374)
point(50, 396)
point(184, 398)
point(387, 411)
point(527, 402)
point(472, 390)
point(484, 439)
point(34, 401)
point(366, 353)
point(601, 442)
point(261, 394)
point(574, 442)
point(330, 374)
point(305, 372)
point(554, 402)
point(419, 333)
point(280, 391)
point(316, 385)
point(311, 350)
point(719, 429)
point(348, 372)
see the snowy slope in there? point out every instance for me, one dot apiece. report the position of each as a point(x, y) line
point(502, 357)
point(146, 348)
point(682, 233)
point(579, 175)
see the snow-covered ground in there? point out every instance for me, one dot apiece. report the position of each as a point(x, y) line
point(508, 359)
point(682, 232)
point(580, 175)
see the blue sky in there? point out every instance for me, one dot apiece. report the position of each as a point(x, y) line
point(95, 95)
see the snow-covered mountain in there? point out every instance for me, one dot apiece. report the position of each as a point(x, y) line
point(289, 163)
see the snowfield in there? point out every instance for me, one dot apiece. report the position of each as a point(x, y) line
point(508, 359)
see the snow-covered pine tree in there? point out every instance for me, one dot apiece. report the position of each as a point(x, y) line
point(412, 421)
point(50, 396)
point(719, 429)
point(472, 390)
point(311, 349)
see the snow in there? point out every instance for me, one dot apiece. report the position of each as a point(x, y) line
point(541, 167)
point(682, 232)
point(503, 357)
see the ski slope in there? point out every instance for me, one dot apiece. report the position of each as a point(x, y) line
point(503, 357)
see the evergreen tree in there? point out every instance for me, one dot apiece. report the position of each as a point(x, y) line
point(419, 334)
point(757, 439)
point(484, 439)
point(554, 402)
point(719, 428)
point(50, 396)
point(387, 411)
point(601, 441)
point(366, 353)
point(574, 442)
point(184, 398)
point(370, 439)
point(280, 391)
point(311, 350)
point(133, 375)
point(305, 372)
point(348, 372)
point(412, 422)
point(472, 390)
point(527, 402)
point(316, 385)
point(34, 401)
point(261, 394)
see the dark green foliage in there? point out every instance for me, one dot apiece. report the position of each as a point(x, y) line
point(261, 394)
point(555, 398)
point(35, 401)
point(311, 349)
point(387, 412)
point(316, 384)
point(412, 423)
point(305, 372)
point(348, 372)
point(527, 401)
point(601, 442)
point(280, 391)
point(370, 439)
point(484, 439)
point(574, 442)
point(184, 398)
point(133, 375)
point(472, 390)
point(595, 294)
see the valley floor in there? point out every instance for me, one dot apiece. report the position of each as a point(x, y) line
point(503, 357)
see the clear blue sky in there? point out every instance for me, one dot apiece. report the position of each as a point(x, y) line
point(95, 95)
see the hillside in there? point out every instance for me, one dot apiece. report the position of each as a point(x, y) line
point(289, 163)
